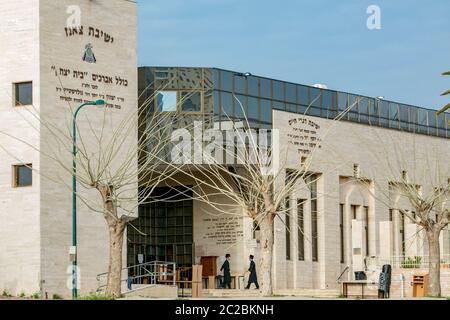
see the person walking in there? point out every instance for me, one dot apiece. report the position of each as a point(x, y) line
point(253, 278)
point(226, 272)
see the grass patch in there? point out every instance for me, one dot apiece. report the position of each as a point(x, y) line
point(6, 294)
point(95, 296)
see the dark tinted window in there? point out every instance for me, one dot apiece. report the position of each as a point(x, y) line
point(23, 175)
point(191, 101)
point(23, 93)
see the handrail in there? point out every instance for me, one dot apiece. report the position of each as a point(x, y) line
point(342, 273)
point(151, 270)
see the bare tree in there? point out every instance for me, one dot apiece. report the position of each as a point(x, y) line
point(416, 171)
point(256, 183)
point(119, 156)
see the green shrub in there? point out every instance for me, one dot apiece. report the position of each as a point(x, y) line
point(6, 293)
point(412, 263)
point(36, 295)
point(57, 297)
point(95, 296)
point(22, 294)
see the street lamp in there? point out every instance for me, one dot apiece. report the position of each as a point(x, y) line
point(73, 249)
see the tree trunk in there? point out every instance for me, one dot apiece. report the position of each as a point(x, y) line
point(434, 265)
point(265, 262)
point(114, 281)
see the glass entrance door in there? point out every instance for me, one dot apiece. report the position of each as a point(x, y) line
point(164, 229)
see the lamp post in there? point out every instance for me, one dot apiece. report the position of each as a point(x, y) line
point(73, 249)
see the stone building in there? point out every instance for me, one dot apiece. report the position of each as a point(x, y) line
point(59, 54)
point(338, 225)
point(55, 56)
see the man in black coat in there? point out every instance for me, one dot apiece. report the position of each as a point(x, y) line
point(253, 278)
point(226, 272)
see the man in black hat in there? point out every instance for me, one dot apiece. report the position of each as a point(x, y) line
point(253, 278)
point(226, 272)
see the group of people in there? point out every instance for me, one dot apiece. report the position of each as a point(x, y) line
point(253, 278)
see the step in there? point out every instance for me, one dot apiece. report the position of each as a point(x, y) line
point(152, 291)
point(316, 293)
point(230, 293)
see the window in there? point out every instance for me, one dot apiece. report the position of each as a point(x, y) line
point(166, 101)
point(278, 90)
point(256, 231)
point(226, 80)
point(291, 93)
point(354, 212)
point(341, 232)
point(288, 228)
point(314, 223)
point(366, 229)
point(301, 232)
point(402, 234)
point(22, 176)
point(191, 101)
point(23, 93)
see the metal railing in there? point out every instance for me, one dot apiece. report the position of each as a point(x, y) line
point(149, 273)
point(414, 262)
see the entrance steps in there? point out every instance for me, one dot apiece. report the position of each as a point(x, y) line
point(230, 293)
point(312, 293)
point(151, 291)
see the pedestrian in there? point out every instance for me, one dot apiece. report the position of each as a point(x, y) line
point(253, 278)
point(226, 272)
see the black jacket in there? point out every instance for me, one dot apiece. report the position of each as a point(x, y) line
point(252, 269)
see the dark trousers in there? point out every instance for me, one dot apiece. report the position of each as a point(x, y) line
point(250, 283)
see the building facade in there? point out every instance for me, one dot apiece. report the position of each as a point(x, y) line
point(337, 225)
point(55, 56)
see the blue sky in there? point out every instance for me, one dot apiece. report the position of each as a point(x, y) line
point(308, 41)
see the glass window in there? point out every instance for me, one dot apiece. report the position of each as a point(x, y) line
point(404, 117)
point(278, 105)
point(291, 107)
point(353, 104)
point(166, 101)
point(432, 122)
point(303, 95)
point(328, 104)
point(394, 115)
point(240, 106)
point(364, 110)
point(384, 113)
point(265, 88)
point(216, 78)
point(23, 94)
point(266, 111)
point(253, 108)
point(441, 125)
point(22, 175)
point(422, 121)
point(191, 101)
point(315, 96)
point(216, 103)
point(226, 80)
point(227, 106)
point(278, 90)
point(342, 101)
point(240, 84)
point(291, 93)
point(253, 86)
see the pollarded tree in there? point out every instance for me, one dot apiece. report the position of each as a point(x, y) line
point(119, 156)
point(252, 176)
point(416, 172)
